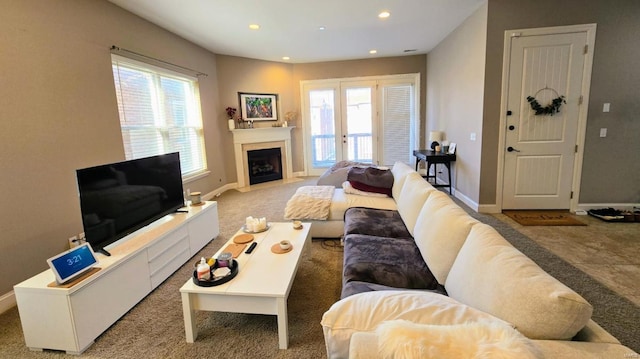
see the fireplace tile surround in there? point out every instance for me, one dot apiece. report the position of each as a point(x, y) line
point(261, 138)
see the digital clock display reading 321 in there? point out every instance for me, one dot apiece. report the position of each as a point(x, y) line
point(74, 261)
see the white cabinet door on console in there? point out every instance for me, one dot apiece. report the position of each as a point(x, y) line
point(204, 228)
point(103, 302)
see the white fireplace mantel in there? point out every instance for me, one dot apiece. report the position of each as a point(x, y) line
point(259, 138)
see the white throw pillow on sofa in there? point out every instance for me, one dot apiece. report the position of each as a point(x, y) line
point(363, 312)
point(493, 276)
point(440, 231)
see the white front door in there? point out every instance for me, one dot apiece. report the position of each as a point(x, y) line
point(540, 149)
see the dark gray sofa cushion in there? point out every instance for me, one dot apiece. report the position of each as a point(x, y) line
point(375, 222)
point(391, 262)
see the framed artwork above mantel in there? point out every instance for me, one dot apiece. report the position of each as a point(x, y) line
point(258, 107)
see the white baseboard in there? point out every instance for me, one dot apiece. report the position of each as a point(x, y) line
point(480, 208)
point(7, 301)
point(489, 208)
point(218, 191)
point(466, 200)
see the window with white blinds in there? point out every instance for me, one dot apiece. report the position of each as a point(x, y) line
point(398, 129)
point(159, 113)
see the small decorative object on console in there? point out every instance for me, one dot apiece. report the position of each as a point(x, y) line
point(452, 148)
point(196, 198)
point(231, 114)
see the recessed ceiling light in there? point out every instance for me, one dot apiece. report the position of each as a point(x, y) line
point(384, 15)
point(286, 58)
point(254, 26)
point(373, 51)
point(322, 28)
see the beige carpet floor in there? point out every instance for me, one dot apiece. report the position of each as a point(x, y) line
point(155, 327)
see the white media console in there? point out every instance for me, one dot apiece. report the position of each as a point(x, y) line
point(70, 319)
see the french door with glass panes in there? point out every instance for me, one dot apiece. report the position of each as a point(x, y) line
point(369, 121)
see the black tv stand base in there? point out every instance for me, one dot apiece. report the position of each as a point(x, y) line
point(105, 252)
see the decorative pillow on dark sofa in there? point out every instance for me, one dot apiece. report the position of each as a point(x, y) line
point(371, 179)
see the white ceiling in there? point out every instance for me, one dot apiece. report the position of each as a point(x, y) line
point(291, 27)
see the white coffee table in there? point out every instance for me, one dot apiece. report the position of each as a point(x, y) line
point(261, 286)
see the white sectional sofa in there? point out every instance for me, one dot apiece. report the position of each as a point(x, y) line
point(487, 281)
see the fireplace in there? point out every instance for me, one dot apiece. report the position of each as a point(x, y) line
point(264, 165)
point(248, 140)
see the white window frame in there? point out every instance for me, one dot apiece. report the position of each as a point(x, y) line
point(412, 79)
point(193, 123)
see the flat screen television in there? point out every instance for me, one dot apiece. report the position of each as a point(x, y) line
point(117, 199)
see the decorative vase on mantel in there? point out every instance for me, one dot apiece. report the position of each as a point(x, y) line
point(232, 124)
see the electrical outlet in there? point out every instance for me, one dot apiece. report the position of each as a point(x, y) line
point(73, 242)
point(603, 132)
point(472, 137)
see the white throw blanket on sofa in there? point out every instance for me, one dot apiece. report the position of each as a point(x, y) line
point(310, 202)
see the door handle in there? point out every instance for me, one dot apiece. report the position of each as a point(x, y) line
point(511, 149)
point(512, 127)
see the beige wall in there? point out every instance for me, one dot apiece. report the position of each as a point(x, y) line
point(58, 113)
point(455, 69)
point(609, 175)
point(237, 74)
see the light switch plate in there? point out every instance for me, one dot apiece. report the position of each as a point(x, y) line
point(603, 132)
point(606, 107)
